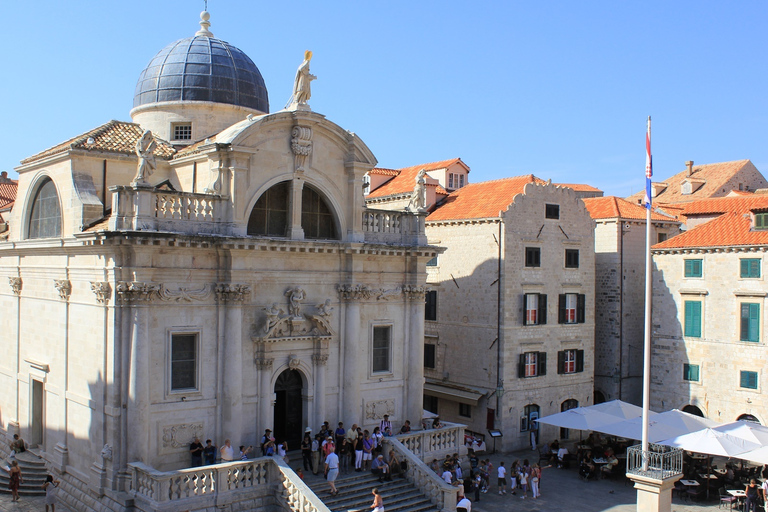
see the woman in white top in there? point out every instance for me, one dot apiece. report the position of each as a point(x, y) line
point(282, 451)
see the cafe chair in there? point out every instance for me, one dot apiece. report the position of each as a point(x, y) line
point(726, 499)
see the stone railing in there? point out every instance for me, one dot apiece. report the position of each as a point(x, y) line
point(441, 494)
point(255, 483)
point(393, 227)
point(435, 443)
point(658, 462)
point(146, 209)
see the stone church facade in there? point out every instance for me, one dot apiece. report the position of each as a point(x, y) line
point(209, 270)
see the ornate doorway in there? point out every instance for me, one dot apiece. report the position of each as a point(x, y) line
point(288, 409)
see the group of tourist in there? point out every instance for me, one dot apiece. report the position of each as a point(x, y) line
point(15, 478)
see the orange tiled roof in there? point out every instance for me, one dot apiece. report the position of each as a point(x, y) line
point(384, 172)
point(405, 178)
point(729, 230)
point(735, 204)
point(8, 193)
point(481, 200)
point(578, 187)
point(714, 175)
point(113, 137)
point(615, 207)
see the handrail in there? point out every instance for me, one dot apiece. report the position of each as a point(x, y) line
point(394, 227)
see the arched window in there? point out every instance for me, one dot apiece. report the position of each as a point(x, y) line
point(269, 216)
point(599, 397)
point(45, 214)
point(692, 409)
point(748, 417)
point(567, 406)
point(316, 218)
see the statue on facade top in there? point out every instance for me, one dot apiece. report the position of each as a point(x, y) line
point(144, 150)
point(301, 84)
point(418, 202)
point(295, 297)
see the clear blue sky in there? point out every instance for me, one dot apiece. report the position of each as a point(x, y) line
point(558, 89)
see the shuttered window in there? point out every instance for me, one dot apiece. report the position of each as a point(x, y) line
point(750, 322)
point(693, 318)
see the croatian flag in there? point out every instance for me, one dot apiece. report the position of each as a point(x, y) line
point(648, 167)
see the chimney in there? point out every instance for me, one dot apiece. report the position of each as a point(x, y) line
point(689, 164)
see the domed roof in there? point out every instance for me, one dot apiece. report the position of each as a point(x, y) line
point(202, 68)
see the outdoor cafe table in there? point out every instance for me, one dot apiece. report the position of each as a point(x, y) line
point(739, 494)
point(710, 476)
point(689, 483)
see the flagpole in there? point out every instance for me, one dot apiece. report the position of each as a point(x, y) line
point(648, 284)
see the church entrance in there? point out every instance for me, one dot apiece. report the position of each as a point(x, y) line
point(36, 414)
point(288, 409)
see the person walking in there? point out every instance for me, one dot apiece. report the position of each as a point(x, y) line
point(378, 503)
point(49, 487)
point(14, 479)
point(332, 471)
point(316, 454)
point(753, 494)
point(502, 478)
point(306, 451)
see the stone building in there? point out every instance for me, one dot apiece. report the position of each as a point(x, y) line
point(709, 302)
point(620, 293)
point(209, 269)
point(8, 188)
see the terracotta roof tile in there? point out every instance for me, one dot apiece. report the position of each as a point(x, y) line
point(384, 172)
point(481, 200)
point(729, 230)
point(735, 204)
point(578, 187)
point(404, 179)
point(114, 137)
point(615, 207)
point(714, 175)
point(195, 148)
point(8, 193)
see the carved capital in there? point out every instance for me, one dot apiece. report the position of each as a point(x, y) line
point(102, 290)
point(16, 284)
point(231, 292)
point(320, 359)
point(137, 292)
point(415, 292)
point(264, 363)
point(294, 362)
point(301, 145)
point(64, 287)
point(354, 291)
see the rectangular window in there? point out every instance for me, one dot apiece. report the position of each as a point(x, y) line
point(183, 362)
point(572, 308)
point(532, 257)
point(693, 268)
point(570, 361)
point(691, 372)
point(571, 258)
point(552, 211)
point(761, 221)
point(750, 322)
point(430, 404)
point(450, 180)
point(465, 410)
point(535, 311)
point(432, 262)
point(750, 268)
point(748, 380)
point(661, 237)
point(693, 318)
point(381, 347)
point(429, 355)
point(430, 309)
point(532, 364)
point(461, 180)
point(182, 132)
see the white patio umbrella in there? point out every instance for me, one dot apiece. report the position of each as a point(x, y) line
point(664, 425)
point(622, 410)
point(580, 418)
point(747, 430)
point(712, 442)
point(759, 456)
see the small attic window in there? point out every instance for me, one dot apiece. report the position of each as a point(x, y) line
point(761, 221)
point(182, 131)
point(552, 211)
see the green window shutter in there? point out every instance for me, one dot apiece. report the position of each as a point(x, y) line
point(744, 268)
point(754, 322)
point(748, 380)
point(693, 318)
point(754, 269)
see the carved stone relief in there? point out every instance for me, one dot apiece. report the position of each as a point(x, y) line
point(264, 363)
point(64, 287)
point(301, 145)
point(16, 284)
point(376, 410)
point(415, 292)
point(296, 325)
point(102, 290)
point(231, 292)
point(177, 436)
point(395, 293)
point(294, 362)
point(320, 359)
point(354, 291)
point(134, 291)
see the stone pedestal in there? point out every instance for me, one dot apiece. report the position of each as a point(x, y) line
point(654, 495)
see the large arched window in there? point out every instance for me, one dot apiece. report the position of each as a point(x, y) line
point(269, 216)
point(316, 218)
point(45, 214)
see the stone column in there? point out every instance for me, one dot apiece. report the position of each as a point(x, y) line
point(319, 361)
point(266, 394)
point(653, 494)
point(353, 373)
point(296, 232)
point(231, 298)
point(414, 351)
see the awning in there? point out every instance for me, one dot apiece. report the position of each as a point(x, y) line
point(462, 394)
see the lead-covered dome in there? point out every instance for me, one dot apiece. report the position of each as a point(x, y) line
point(202, 68)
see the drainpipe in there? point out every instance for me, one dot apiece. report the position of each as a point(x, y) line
point(499, 381)
point(621, 306)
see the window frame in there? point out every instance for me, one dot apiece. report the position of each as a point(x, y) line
point(579, 313)
point(430, 347)
point(540, 311)
point(198, 387)
point(314, 221)
point(551, 211)
point(532, 361)
point(373, 348)
point(692, 331)
point(748, 374)
point(691, 270)
point(430, 306)
point(750, 268)
point(573, 261)
point(761, 221)
point(465, 410)
point(687, 371)
point(533, 257)
point(570, 361)
point(175, 127)
point(36, 205)
point(749, 325)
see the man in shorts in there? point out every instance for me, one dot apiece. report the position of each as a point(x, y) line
point(332, 471)
point(502, 474)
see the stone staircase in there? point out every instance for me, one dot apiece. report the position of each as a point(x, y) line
point(33, 473)
point(399, 495)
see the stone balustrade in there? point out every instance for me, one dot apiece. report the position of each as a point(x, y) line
point(394, 227)
point(427, 481)
point(435, 443)
point(146, 209)
point(263, 483)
